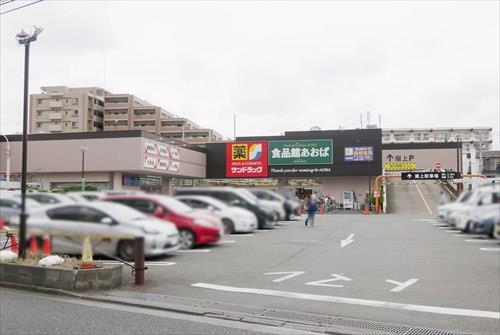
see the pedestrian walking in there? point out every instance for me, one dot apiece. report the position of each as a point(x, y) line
point(312, 207)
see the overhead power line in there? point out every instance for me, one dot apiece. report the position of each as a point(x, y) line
point(4, 2)
point(14, 9)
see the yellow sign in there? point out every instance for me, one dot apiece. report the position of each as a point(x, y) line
point(240, 152)
point(400, 166)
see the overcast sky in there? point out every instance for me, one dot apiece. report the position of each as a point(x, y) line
point(278, 66)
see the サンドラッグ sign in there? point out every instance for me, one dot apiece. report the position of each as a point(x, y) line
point(301, 152)
point(246, 159)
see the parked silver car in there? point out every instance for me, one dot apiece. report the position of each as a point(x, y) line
point(103, 218)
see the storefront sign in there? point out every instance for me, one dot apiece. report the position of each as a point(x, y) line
point(163, 150)
point(400, 166)
point(162, 157)
point(150, 148)
point(301, 152)
point(246, 159)
point(150, 162)
point(163, 164)
point(358, 154)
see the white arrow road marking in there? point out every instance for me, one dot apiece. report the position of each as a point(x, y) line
point(146, 263)
point(401, 286)
point(354, 301)
point(322, 282)
point(194, 250)
point(489, 249)
point(280, 279)
point(347, 241)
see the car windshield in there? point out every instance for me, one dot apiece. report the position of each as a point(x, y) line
point(174, 204)
point(464, 197)
point(247, 195)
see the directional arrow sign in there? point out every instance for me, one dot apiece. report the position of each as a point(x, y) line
point(289, 274)
point(347, 241)
point(409, 176)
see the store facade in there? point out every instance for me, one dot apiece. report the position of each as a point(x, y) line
point(328, 162)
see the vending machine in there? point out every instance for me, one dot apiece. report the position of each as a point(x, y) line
point(348, 200)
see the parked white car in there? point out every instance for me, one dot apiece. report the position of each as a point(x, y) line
point(444, 211)
point(484, 200)
point(235, 219)
point(276, 207)
point(278, 202)
point(106, 218)
point(48, 198)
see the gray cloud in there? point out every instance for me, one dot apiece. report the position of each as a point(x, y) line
point(279, 66)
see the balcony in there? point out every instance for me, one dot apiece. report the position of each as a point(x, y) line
point(108, 117)
point(144, 116)
point(151, 129)
point(55, 116)
point(55, 104)
point(114, 128)
point(55, 127)
point(116, 105)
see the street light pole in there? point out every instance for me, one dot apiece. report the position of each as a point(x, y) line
point(25, 39)
point(83, 149)
point(7, 163)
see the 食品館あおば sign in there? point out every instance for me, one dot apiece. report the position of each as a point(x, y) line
point(300, 152)
point(246, 159)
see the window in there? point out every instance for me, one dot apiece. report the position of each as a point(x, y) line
point(67, 100)
point(8, 204)
point(143, 206)
point(489, 198)
point(38, 101)
point(195, 203)
point(39, 113)
point(69, 213)
point(75, 112)
point(73, 124)
point(468, 156)
point(91, 215)
point(75, 101)
point(39, 125)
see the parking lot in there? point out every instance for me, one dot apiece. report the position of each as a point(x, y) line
point(403, 269)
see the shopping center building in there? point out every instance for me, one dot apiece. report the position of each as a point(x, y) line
point(339, 163)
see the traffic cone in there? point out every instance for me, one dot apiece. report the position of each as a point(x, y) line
point(2, 223)
point(87, 262)
point(14, 247)
point(33, 245)
point(366, 209)
point(46, 247)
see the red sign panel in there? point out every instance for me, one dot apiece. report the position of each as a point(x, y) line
point(246, 159)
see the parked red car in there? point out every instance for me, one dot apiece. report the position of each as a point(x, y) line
point(194, 229)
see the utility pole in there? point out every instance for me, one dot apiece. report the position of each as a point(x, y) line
point(25, 39)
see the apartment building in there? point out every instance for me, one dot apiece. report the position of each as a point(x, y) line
point(127, 112)
point(474, 141)
point(62, 109)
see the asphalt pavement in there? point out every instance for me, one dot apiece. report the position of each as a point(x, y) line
point(402, 269)
point(33, 313)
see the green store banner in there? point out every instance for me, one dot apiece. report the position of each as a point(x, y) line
point(300, 152)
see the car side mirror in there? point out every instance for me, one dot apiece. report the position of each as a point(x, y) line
point(158, 212)
point(107, 220)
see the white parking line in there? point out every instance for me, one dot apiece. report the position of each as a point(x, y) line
point(489, 249)
point(451, 231)
point(354, 301)
point(147, 263)
point(461, 235)
point(194, 250)
point(242, 235)
point(263, 230)
point(226, 242)
point(481, 241)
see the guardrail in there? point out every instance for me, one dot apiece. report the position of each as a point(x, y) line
point(137, 269)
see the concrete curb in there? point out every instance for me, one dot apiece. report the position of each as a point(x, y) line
point(176, 308)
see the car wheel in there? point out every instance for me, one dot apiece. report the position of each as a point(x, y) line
point(467, 228)
point(186, 238)
point(228, 226)
point(492, 231)
point(126, 250)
